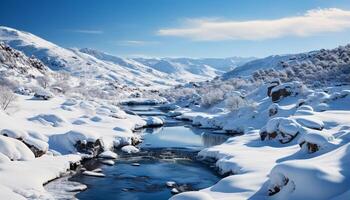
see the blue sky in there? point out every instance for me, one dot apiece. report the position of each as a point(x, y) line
point(184, 28)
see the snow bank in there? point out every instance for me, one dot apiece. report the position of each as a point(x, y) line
point(192, 196)
point(70, 142)
point(15, 149)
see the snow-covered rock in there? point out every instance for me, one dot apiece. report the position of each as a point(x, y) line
point(108, 155)
point(282, 129)
point(130, 149)
point(315, 140)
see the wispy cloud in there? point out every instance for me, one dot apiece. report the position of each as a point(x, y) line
point(86, 31)
point(136, 42)
point(312, 22)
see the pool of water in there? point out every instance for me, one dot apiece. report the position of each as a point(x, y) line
point(124, 181)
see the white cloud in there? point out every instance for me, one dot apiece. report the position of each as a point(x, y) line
point(136, 42)
point(86, 31)
point(310, 23)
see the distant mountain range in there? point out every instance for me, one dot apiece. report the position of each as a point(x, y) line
point(100, 66)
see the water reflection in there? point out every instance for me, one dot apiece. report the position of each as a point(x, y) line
point(180, 137)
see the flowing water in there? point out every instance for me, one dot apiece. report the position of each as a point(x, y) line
point(166, 154)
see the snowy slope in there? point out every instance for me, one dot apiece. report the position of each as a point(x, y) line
point(78, 63)
point(263, 63)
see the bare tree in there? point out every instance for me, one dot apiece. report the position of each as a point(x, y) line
point(7, 98)
point(43, 81)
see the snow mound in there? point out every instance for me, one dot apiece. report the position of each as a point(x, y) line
point(311, 123)
point(70, 102)
point(79, 122)
point(48, 120)
point(15, 149)
point(14, 133)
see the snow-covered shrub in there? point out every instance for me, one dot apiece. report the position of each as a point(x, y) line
point(23, 91)
point(213, 96)
point(7, 98)
point(43, 94)
point(235, 102)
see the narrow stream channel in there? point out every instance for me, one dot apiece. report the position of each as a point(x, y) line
point(167, 154)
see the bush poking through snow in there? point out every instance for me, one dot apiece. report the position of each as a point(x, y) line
point(7, 98)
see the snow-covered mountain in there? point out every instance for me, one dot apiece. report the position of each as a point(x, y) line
point(326, 67)
point(79, 64)
point(15, 66)
point(258, 64)
point(92, 64)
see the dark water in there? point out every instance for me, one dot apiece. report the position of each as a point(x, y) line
point(147, 181)
point(167, 154)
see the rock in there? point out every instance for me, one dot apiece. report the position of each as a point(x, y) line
point(283, 129)
point(175, 191)
point(285, 90)
point(273, 109)
point(277, 95)
point(170, 184)
point(36, 151)
point(272, 84)
point(89, 147)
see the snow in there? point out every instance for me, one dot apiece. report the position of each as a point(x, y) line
point(95, 174)
point(14, 149)
point(108, 155)
point(153, 121)
point(17, 160)
point(192, 196)
point(107, 162)
point(281, 169)
point(130, 149)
